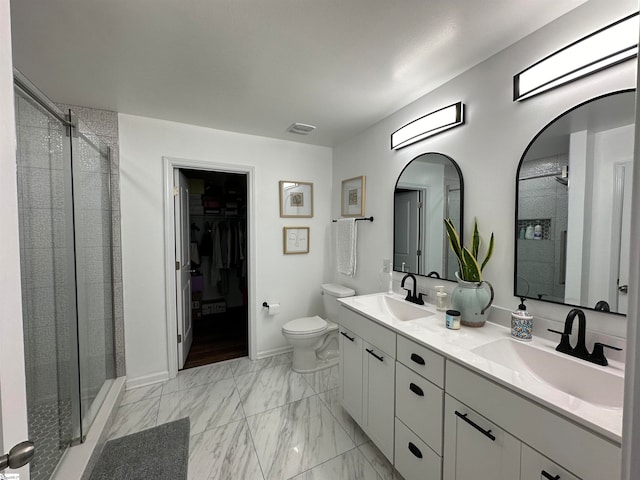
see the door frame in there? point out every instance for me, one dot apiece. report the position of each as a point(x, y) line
point(169, 165)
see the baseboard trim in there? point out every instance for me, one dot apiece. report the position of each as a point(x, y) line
point(274, 351)
point(147, 380)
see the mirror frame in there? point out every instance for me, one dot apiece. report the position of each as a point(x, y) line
point(460, 227)
point(515, 229)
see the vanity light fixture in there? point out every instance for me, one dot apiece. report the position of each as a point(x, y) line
point(604, 48)
point(431, 124)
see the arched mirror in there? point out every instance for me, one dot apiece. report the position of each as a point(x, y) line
point(573, 192)
point(429, 189)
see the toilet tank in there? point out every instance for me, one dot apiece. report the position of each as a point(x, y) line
point(330, 293)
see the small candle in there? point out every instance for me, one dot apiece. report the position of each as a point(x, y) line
point(452, 318)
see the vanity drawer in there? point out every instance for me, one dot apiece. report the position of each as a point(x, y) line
point(414, 459)
point(419, 403)
point(421, 360)
point(534, 464)
point(369, 330)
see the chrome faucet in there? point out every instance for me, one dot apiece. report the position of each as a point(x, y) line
point(412, 296)
point(580, 350)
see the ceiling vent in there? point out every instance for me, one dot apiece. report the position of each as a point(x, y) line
point(301, 129)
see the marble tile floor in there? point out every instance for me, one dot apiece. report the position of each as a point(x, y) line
point(258, 420)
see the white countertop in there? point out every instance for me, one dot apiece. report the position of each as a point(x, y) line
point(456, 345)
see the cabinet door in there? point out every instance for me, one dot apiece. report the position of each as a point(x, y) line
point(378, 398)
point(351, 348)
point(538, 467)
point(475, 448)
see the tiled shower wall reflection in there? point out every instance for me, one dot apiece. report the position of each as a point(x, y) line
point(543, 200)
point(104, 124)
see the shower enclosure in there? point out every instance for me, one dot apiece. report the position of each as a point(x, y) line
point(64, 203)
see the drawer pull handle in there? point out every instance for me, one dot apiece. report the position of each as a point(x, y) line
point(487, 433)
point(548, 476)
point(416, 389)
point(415, 450)
point(347, 336)
point(417, 358)
point(377, 356)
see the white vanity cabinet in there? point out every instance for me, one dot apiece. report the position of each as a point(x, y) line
point(367, 377)
point(529, 438)
point(435, 417)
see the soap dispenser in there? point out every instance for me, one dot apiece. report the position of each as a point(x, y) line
point(441, 299)
point(522, 323)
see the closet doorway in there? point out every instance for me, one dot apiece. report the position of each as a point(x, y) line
point(211, 252)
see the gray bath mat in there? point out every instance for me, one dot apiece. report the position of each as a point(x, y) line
point(160, 452)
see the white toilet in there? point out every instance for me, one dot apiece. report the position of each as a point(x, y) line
point(314, 340)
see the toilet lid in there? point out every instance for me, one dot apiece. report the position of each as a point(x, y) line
point(305, 325)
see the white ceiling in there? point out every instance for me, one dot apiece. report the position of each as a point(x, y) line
point(257, 66)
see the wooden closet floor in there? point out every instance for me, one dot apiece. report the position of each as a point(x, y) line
point(219, 337)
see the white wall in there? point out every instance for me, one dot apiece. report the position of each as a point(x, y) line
point(13, 399)
point(578, 216)
point(488, 149)
point(292, 280)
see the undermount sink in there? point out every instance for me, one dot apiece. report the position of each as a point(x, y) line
point(569, 375)
point(403, 310)
point(394, 307)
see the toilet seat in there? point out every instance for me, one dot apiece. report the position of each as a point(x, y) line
point(305, 326)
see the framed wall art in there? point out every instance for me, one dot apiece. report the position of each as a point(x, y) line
point(296, 240)
point(296, 199)
point(353, 197)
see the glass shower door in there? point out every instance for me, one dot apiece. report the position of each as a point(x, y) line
point(94, 269)
point(48, 283)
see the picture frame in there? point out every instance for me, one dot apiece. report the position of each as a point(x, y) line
point(296, 199)
point(295, 240)
point(353, 197)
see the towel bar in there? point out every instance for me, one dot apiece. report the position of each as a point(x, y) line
point(370, 219)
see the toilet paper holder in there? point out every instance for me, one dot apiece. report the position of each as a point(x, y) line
point(272, 309)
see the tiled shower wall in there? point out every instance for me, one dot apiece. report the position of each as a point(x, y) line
point(104, 124)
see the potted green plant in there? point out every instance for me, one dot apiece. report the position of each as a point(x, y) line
point(470, 297)
point(470, 270)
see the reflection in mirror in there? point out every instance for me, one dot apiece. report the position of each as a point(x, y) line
point(429, 189)
point(573, 207)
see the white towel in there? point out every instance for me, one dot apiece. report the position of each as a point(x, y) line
point(346, 241)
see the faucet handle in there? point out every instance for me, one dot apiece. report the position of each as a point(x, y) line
point(564, 346)
point(597, 356)
point(419, 300)
point(409, 296)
